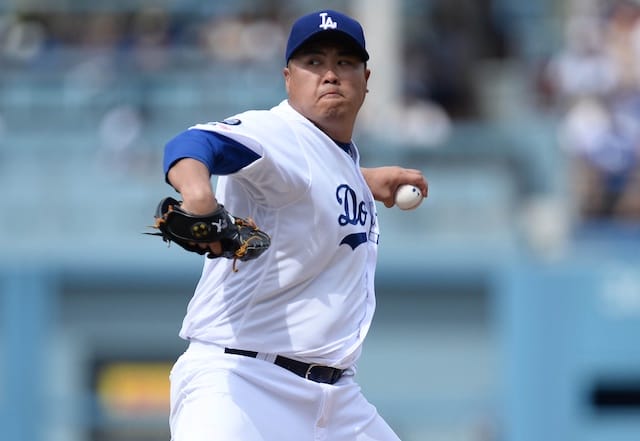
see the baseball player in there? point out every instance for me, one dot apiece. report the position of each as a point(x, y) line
point(274, 337)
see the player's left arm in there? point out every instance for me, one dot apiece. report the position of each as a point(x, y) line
point(384, 181)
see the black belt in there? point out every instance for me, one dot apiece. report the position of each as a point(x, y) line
point(310, 371)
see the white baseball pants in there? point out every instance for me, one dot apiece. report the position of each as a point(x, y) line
point(225, 397)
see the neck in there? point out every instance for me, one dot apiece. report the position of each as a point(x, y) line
point(339, 134)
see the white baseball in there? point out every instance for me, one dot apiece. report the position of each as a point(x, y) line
point(408, 197)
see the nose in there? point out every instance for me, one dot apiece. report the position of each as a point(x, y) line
point(330, 76)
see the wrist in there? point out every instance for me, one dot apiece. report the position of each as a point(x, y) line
point(199, 204)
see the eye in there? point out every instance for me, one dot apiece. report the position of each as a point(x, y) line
point(312, 61)
point(349, 61)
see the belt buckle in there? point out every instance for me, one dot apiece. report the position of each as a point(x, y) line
point(309, 369)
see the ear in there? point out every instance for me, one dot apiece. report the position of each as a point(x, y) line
point(287, 75)
point(367, 74)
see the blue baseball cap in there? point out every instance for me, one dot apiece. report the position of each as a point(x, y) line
point(325, 21)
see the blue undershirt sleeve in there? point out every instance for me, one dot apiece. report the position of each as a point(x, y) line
point(221, 155)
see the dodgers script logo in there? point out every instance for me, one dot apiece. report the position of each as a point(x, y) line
point(327, 22)
point(355, 212)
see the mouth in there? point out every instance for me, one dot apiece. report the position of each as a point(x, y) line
point(331, 94)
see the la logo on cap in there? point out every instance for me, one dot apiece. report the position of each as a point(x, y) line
point(327, 21)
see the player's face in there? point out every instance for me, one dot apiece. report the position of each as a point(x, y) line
point(326, 81)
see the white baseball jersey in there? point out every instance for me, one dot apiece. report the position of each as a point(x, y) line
point(311, 295)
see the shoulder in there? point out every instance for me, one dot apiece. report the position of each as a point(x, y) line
point(253, 123)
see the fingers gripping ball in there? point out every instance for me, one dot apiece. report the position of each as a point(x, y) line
point(240, 239)
point(408, 197)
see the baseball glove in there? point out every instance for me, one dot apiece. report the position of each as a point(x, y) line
point(240, 239)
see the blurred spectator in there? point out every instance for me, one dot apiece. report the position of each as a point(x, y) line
point(603, 144)
point(124, 147)
point(620, 24)
point(120, 129)
point(423, 123)
point(94, 74)
point(150, 38)
point(582, 67)
point(596, 79)
point(21, 40)
point(104, 32)
point(417, 123)
point(242, 38)
point(443, 45)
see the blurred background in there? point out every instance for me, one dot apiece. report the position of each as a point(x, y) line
point(509, 302)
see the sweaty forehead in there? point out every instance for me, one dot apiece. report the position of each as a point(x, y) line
point(329, 40)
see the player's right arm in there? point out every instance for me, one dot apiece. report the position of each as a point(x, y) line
point(192, 179)
point(191, 158)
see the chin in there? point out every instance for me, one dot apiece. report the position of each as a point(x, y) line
point(334, 110)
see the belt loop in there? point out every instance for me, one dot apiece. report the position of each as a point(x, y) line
point(266, 357)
